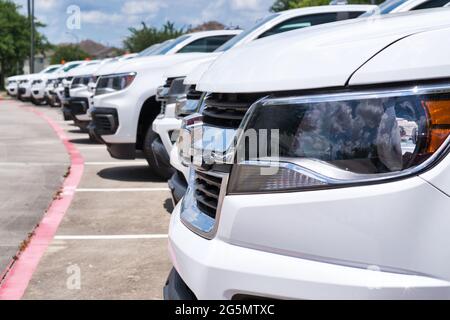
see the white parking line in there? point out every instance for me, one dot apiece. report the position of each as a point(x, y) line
point(119, 164)
point(116, 237)
point(91, 147)
point(122, 189)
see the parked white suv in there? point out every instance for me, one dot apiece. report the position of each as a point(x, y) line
point(78, 97)
point(168, 123)
point(178, 183)
point(350, 202)
point(26, 81)
point(54, 88)
point(11, 85)
point(396, 6)
point(125, 97)
point(39, 82)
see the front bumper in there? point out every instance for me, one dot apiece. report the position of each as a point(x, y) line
point(76, 109)
point(165, 128)
point(178, 186)
point(24, 92)
point(105, 122)
point(176, 162)
point(216, 270)
point(38, 93)
point(176, 289)
point(12, 91)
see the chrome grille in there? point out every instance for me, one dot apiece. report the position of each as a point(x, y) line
point(207, 193)
point(228, 110)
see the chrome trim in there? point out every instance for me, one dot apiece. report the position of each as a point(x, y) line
point(339, 179)
point(206, 227)
point(363, 94)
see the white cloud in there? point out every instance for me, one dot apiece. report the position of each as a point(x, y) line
point(46, 5)
point(246, 5)
point(139, 7)
point(98, 17)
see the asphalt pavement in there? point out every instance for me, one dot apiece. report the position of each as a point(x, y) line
point(112, 242)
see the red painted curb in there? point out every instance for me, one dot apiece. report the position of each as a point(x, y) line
point(21, 271)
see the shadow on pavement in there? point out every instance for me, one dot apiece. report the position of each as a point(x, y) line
point(129, 174)
point(76, 131)
point(85, 141)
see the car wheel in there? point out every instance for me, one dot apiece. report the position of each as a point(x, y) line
point(162, 169)
point(35, 102)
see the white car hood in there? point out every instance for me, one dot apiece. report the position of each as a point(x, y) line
point(427, 58)
point(194, 77)
point(185, 68)
point(316, 57)
point(84, 70)
point(145, 63)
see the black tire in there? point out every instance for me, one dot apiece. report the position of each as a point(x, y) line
point(36, 102)
point(160, 168)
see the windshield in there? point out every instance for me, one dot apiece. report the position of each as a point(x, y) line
point(230, 44)
point(163, 48)
point(385, 8)
point(51, 70)
point(149, 51)
point(71, 66)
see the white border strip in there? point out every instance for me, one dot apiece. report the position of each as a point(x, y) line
point(116, 237)
point(131, 163)
point(124, 190)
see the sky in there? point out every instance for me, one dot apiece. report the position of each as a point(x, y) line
point(108, 21)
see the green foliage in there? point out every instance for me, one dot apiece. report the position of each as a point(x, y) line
point(145, 37)
point(67, 53)
point(281, 5)
point(15, 39)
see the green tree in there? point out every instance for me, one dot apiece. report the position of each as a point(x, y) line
point(281, 5)
point(67, 53)
point(145, 37)
point(15, 39)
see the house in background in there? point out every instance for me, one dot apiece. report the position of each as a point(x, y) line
point(98, 51)
point(41, 61)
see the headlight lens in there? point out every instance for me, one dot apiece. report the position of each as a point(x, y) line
point(114, 83)
point(340, 140)
point(82, 81)
point(172, 90)
point(185, 107)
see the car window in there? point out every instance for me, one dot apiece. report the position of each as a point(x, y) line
point(431, 4)
point(385, 8)
point(169, 46)
point(208, 44)
point(309, 21)
point(70, 67)
point(230, 44)
point(52, 70)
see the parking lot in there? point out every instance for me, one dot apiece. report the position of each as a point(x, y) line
point(113, 237)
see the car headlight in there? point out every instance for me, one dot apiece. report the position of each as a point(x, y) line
point(114, 83)
point(172, 90)
point(185, 107)
point(343, 139)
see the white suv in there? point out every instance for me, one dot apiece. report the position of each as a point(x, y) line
point(351, 201)
point(26, 82)
point(78, 97)
point(168, 123)
point(124, 105)
point(54, 87)
point(177, 183)
point(11, 85)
